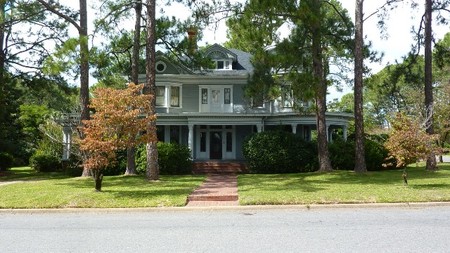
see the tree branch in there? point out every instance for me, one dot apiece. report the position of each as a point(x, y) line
point(60, 14)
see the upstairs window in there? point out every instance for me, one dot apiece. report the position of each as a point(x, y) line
point(223, 64)
point(175, 96)
point(168, 95)
point(160, 95)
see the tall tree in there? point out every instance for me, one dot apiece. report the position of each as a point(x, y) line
point(305, 56)
point(315, 21)
point(131, 151)
point(150, 88)
point(431, 160)
point(360, 163)
point(82, 28)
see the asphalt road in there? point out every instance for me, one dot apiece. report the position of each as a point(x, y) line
point(285, 229)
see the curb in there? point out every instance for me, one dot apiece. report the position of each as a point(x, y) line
point(411, 205)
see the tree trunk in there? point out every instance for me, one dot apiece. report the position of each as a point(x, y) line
point(98, 178)
point(149, 88)
point(131, 151)
point(431, 160)
point(2, 45)
point(131, 163)
point(84, 68)
point(360, 162)
point(321, 90)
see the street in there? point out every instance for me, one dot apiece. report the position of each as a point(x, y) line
point(255, 229)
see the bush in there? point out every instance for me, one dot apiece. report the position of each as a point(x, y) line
point(118, 166)
point(173, 159)
point(279, 152)
point(342, 153)
point(44, 162)
point(6, 161)
point(73, 167)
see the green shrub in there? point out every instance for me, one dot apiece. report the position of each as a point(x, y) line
point(279, 152)
point(6, 161)
point(45, 163)
point(342, 153)
point(73, 167)
point(173, 159)
point(118, 166)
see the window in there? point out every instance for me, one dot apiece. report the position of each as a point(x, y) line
point(223, 64)
point(175, 134)
point(220, 65)
point(175, 96)
point(160, 96)
point(202, 141)
point(229, 141)
point(287, 96)
point(227, 96)
point(204, 96)
point(168, 95)
point(160, 66)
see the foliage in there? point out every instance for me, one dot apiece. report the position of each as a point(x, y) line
point(6, 161)
point(43, 162)
point(279, 152)
point(342, 153)
point(119, 119)
point(408, 142)
point(173, 159)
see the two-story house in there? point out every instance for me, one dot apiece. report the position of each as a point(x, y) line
point(209, 113)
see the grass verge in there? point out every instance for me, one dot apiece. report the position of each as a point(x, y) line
point(345, 187)
point(57, 191)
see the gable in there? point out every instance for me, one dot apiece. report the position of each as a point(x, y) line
point(217, 51)
point(163, 65)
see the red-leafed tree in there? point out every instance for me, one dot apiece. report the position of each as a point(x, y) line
point(119, 122)
point(409, 142)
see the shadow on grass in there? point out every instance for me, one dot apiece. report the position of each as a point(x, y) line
point(138, 186)
point(29, 174)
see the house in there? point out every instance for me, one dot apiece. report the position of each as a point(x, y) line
point(209, 113)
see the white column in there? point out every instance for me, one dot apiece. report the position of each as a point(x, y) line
point(259, 128)
point(344, 132)
point(329, 139)
point(294, 128)
point(166, 134)
point(191, 139)
point(67, 140)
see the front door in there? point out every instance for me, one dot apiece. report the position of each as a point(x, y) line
point(215, 145)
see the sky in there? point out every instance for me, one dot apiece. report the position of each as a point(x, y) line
point(396, 44)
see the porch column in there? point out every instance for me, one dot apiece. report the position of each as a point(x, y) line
point(344, 132)
point(259, 128)
point(294, 128)
point(67, 140)
point(166, 134)
point(191, 139)
point(329, 138)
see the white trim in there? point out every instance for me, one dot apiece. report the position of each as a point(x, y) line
point(167, 94)
point(219, 107)
point(207, 133)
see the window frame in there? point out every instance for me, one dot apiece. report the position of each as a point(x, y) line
point(168, 95)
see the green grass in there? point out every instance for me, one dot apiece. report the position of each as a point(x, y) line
point(345, 187)
point(53, 190)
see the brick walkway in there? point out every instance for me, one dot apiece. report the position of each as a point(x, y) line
point(217, 190)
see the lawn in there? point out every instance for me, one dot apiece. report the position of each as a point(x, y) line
point(346, 187)
point(53, 190)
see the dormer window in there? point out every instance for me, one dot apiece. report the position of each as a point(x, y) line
point(223, 64)
point(222, 58)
